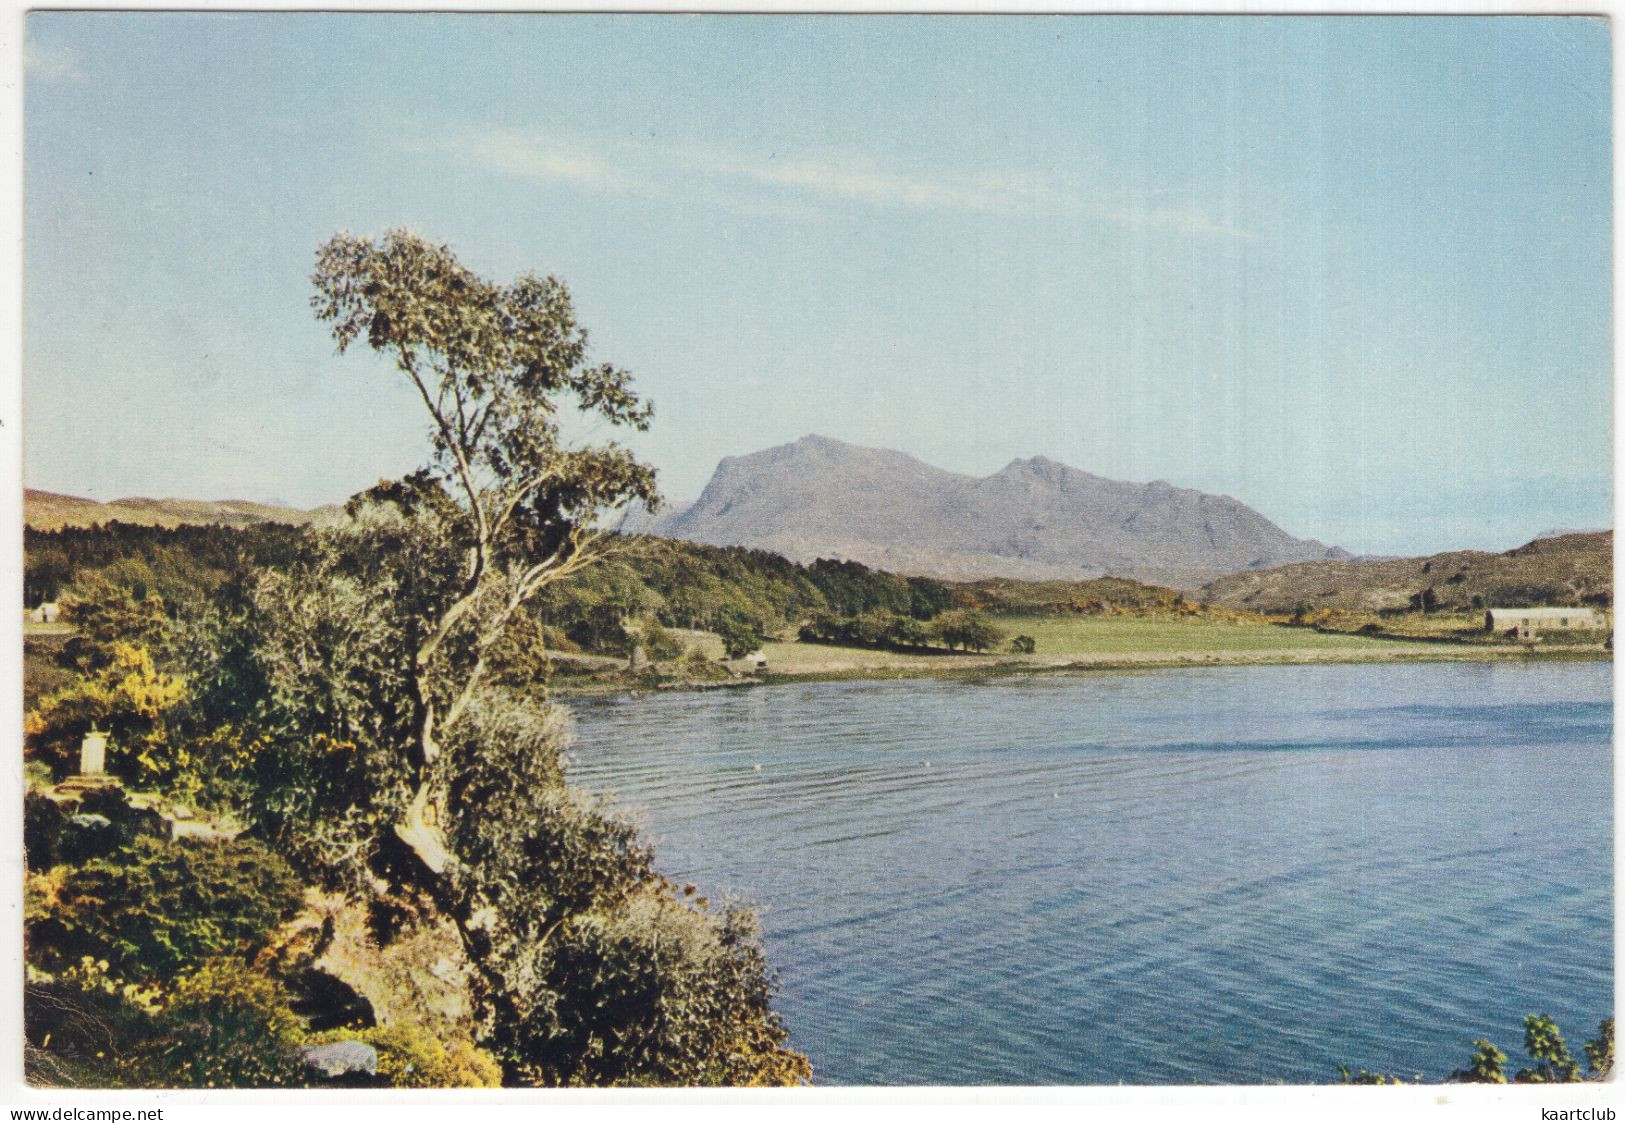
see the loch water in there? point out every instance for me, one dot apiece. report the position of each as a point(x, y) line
point(1225, 876)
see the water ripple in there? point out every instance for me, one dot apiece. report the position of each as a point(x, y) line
point(1222, 875)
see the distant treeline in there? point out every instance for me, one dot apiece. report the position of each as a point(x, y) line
point(1006, 596)
point(675, 584)
point(958, 629)
point(182, 565)
point(716, 588)
point(650, 581)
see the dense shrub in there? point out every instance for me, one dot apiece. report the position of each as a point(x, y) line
point(659, 644)
point(108, 617)
point(1542, 1042)
point(183, 566)
point(127, 697)
point(596, 972)
point(740, 634)
point(875, 628)
point(655, 991)
point(968, 630)
point(221, 1025)
point(159, 907)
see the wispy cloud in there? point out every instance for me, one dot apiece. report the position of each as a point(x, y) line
point(846, 181)
point(753, 181)
point(51, 63)
point(859, 181)
point(526, 157)
point(1178, 220)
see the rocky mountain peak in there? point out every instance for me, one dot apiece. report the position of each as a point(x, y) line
point(1035, 518)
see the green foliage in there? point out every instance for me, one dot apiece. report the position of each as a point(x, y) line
point(164, 690)
point(1365, 1077)
point(221, 1025)
point(659, 644)
point(928, 599)
point(46, 570)
point(1483, 1067)
point(139, 972)
point(107, 617)
point(372, 691)
point(42, 828)
point(851, 588)
point(43, 672)
point(602, 628)
point(1005, 596)
point(159, 907)
point(1023, 645)
point(80, 1023)
point(683, 584)
point(740, 634)
point(599, 976)
point(323, 638)
point(492, 362)
point(182, 565)
point(126, 697)
point(504, 507)
point(1544, 1043)
point(217, 1025)
point(534, 862)
point(1600, 1051)
point(908, 632)
point(656, 992)
point(874, 628)
point(968, 630)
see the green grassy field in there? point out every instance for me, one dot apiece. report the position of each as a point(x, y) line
point(1116, 635)
point(794, 658)
point(1136, 638)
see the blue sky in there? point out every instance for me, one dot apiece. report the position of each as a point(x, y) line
point(1354, 272)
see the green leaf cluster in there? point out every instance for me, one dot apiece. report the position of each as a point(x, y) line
point(1542, 1042)
point(159, 906)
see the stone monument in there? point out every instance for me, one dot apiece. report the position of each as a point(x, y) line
point(93, 753)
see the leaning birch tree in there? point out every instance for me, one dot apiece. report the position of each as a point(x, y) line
point(588, 966)
point(492, 365)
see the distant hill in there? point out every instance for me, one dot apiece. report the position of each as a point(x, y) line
point(1567, 569)
point(1559, 532)
point(45, 510)
point(1035, 520)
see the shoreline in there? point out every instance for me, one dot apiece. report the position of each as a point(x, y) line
point(998, 666)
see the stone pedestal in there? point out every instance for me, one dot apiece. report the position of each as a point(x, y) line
point(75, 786)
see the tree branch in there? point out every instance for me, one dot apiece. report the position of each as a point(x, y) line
point(465, 473)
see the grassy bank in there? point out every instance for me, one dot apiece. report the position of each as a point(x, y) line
point(1070, 644)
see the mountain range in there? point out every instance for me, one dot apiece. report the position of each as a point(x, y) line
point(46, 510)
point(1037, 519)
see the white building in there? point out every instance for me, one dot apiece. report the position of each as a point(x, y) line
point(1526, 622)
